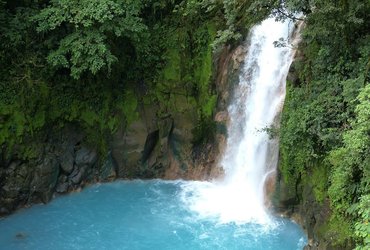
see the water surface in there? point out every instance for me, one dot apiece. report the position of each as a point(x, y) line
point(137, 215)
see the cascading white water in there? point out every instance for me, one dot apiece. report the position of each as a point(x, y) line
point(250, 154)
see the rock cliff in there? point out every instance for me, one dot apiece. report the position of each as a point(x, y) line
point(152, 146)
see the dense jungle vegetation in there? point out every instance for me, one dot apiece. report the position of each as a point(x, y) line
point(91, 62)
point(325, 137)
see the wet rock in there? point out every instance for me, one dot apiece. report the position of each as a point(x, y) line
point(158, 144)
point(284, 198)
point(165, 126)
point(297, 200)
point(162, 152)
point(67, 161)
point(84, 156)
point(78, 174)
point(76, 179)
point(229, 64)
point(292, 76)
point(127, 147)
point(155, 154)
point(4, 211)
point(222, 116)
point(17, 182)
point(108, 169)
point(63, 185)
point(45, 178)
point(150, 142)
point(238, 56)
point(61, 158)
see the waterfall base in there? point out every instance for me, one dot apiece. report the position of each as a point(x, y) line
point(137, 215)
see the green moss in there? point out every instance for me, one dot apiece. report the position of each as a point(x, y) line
point(209, 106)
point(175, 64)
point(98, 104)
point(129, 107)
point(30, 150)
point(337, 231)
point(320, 182)
point(89, 117)
point(172, 70)
point(184, 84)
point(39, 119)
point(203, 70)
point(204, 131)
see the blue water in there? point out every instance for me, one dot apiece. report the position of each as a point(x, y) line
point(136, 215)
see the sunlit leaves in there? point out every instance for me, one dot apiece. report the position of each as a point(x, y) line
point(351, 172)
point(87, 26)
point(83, 51)
point(362, 226)
point(328, 109)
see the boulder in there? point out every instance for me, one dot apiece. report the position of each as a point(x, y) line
point(85, 156)
point(63, 185)
point(14, 188)
point(45, 178)
point(78, 174)
point(67, 161)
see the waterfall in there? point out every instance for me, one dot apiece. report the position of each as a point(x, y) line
point(251, 155)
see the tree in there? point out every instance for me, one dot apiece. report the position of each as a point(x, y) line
point(82, 31)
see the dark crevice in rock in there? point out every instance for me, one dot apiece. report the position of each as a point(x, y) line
point(151, 141)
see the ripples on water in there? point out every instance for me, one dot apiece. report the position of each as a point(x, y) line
point(137, 215)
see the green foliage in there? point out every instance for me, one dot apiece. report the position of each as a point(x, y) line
point(91, 63)
point(88, 27)
point(325, 125)
point(272, 131)
point(186, 75)
point(235, 16)
point(172, 71)
point(129, 106)
point(203, 71)
point(209, 106)
point(81, 36)
point(204, 131)
point(351, 173)
point(338, 229)
point(294, 132)
point(362, 226)
point(320, 182)
point(86, 50)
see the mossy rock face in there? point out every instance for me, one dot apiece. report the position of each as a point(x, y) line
point(306, 201)
point(177, 105)
point(144, 148)
point(178, 102)
point(285, 198)
point(65, 163)
point(127, 146)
